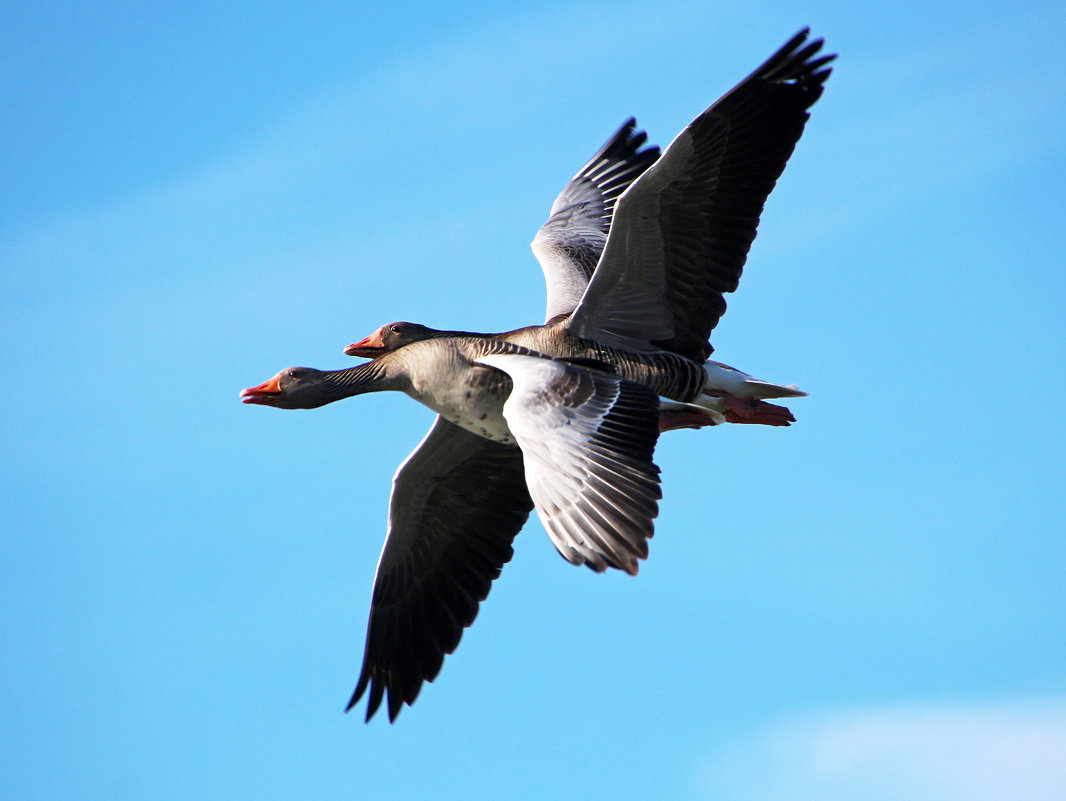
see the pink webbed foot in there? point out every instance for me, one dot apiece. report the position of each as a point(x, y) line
point(755, 412)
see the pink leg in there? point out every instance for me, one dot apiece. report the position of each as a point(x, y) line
point(673, 419)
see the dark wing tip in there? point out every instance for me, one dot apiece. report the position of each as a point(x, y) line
point(376, 690)
point(395, 705)
point(795, 63)
point(360, 688)
point(620, 161)
point(376, 681)
point(626, 143)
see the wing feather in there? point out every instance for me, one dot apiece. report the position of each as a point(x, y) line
point(457, 503)
point(587, 440)
point(682, 231)
point(569, 244)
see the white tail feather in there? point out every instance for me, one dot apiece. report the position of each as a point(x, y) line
point(723, 378)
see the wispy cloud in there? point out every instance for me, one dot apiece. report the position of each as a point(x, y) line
point(323, 167)
point(995, 752)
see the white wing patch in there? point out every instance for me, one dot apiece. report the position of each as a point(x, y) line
point(587, 439)
point(565, 283)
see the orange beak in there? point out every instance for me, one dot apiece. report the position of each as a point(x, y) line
point(266, 393)
point(369, 348)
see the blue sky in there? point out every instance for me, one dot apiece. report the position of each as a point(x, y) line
point(867, 605)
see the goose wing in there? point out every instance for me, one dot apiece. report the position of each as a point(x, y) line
point(587, 439)
point(457, 503)
point(569, 244)
point(682, 231)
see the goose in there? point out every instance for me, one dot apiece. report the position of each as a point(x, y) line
point(563, 417)
point(515, 429)
point(711, 395)
point(640, 248)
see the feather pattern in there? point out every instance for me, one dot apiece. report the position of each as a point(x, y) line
point(457, 503)
point(587, 438)
point(569, 244)
point(682, 231)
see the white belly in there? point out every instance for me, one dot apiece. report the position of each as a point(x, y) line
point(485, 422)
point(474, 402)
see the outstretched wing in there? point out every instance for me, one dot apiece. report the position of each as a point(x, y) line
point(587, 440)
point(457, 503)
point(682, 231)
point(569, 244)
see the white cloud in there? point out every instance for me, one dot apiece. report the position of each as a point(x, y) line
point(1002, 752)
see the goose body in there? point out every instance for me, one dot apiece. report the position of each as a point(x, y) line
point(637, 253)
point(558, 412)
point(515, 429)
point(710, 393)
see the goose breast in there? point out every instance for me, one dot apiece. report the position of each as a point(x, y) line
point(446, 377)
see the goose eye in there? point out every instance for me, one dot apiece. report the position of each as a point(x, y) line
point(396, 328)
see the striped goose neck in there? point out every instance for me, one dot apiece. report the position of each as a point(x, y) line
point(372, 376)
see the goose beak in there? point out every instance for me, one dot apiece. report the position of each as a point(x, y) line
point(369, 348)
point(267, 393)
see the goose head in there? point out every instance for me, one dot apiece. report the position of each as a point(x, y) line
point(292, 388)
point(308, 388)
point(391, 337)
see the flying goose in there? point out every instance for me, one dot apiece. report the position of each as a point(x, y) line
point(639, 249)
point(515, 429)
point(637, 253)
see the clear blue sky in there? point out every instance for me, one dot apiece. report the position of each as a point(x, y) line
point(868, 605)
